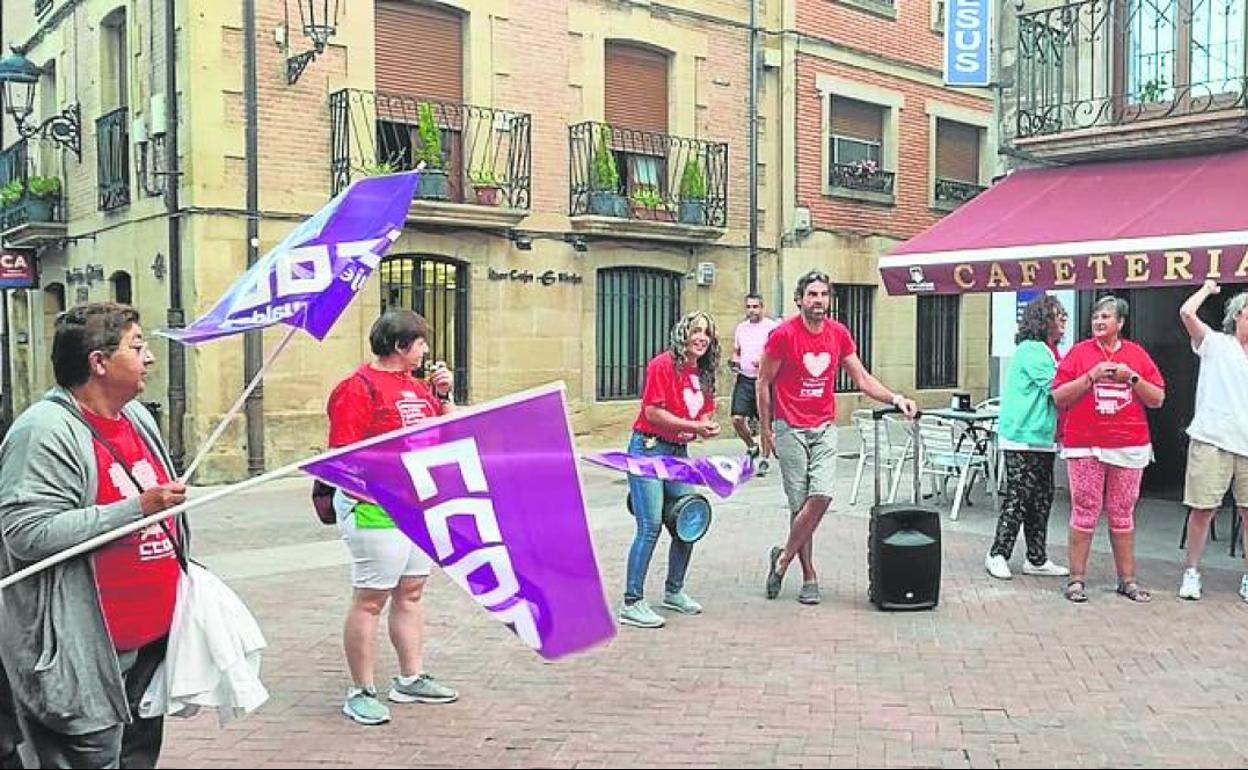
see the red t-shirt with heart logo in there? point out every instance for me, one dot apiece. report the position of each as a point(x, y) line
point(804, 393)
point(679, 391)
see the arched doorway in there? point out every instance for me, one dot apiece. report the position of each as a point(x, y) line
point(437, 288)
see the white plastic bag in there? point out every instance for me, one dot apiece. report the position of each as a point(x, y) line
point(213, 658)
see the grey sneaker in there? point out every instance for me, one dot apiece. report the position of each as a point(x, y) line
point(641, 615)
point(774, 579)
point(682, 603)
point(363, 707)
point(763, 468)
point(810, 593)
point(425, 689)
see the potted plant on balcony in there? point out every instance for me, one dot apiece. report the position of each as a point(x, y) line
point(42, 193)
point(11, 193)
point(377, 168)
point(692, 194)
point(648, 203)
point(487, 185)
point(434, 184)
point(604, 182)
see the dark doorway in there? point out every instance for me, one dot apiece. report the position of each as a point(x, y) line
point(1154, 324)
point(437, 288)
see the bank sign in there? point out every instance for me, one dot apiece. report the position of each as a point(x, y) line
point(967, 25)
point(17, 269)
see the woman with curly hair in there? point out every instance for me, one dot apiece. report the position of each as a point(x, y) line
point(677, 404)
point(1026, 432)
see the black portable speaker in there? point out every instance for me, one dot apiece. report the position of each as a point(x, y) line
point(903, 546)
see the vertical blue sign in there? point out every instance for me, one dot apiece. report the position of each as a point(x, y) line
point(967, 41)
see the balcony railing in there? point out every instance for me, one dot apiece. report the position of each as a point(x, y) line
point(15, 166)
point(1116, 62)
point(861, 178)
point(14, 162)
point(955, 192)
point(112, 160)
point(648, 170)
point(486, 152)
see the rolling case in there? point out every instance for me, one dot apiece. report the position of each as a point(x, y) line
point(903, 544)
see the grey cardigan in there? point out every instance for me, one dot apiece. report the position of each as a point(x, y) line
point(53, 642)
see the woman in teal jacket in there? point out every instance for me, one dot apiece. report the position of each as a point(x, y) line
point(1026, 432)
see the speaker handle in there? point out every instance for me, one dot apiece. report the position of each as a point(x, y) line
point(876, 416)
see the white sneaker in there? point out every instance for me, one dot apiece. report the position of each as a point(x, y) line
point(1048, 569)
point(998, 567)
point(1243, 588)
point(1190, 587)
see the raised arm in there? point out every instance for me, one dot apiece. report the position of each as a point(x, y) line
point(1196, 328)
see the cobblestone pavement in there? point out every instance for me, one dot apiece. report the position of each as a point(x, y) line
point(1001, 674)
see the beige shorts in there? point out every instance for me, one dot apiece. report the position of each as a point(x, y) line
point(1210, 472)
point(807, 459)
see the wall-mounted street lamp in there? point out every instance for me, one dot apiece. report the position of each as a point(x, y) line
point(18, 76)
point(319, 21)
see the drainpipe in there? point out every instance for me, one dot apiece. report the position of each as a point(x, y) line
point(253, 342)
point(753, 144)
point(175, 318)
point(6, 372)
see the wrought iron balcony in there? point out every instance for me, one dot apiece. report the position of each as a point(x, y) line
point(627, 174)
point(27, 209)
point(112, 159)
point(1115, 62)
point(861, 177)
point(485, 152)
point(954, 192)
point(14, 162)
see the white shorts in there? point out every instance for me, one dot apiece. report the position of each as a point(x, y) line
point(380, 557)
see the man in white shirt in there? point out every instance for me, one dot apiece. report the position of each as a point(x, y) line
point(1217, 456)
point(747, 351)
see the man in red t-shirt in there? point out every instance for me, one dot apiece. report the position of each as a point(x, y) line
point(798, 371)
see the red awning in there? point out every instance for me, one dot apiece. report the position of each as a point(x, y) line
point(1134, 223)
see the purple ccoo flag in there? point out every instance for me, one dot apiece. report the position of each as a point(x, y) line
point(309, 278)
point(724, 475)
point(493, 494)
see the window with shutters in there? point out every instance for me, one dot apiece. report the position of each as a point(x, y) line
point(856, 149)
point(853, 306)
point(419, 61)
point(635, 107)
point(936, 355)
point(636, 309)
point(957, 163)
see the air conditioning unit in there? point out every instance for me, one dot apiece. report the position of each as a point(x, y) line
point(705, 273)
point(801, 219)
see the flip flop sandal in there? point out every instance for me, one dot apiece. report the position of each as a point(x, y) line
point(1076, 592)
point(1132, 591)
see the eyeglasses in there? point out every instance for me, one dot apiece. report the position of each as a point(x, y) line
point(814, 275)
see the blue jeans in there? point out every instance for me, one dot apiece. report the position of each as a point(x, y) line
point(648, 498)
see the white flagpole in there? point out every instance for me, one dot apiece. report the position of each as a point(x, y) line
point(225, 421)
point(256, 481)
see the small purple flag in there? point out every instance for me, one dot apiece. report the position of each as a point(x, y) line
point(493, 494)
point(309, 278)
point(724, 475)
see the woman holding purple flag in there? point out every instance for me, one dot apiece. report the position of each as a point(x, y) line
point(386, 566)
point(677, 402)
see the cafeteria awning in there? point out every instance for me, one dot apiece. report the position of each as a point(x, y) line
point(1164, 222)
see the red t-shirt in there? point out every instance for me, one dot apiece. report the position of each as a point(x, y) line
point(679, 391)
point(136, 576)
point(1108, 415)
point(804, 391)
point(396, 400)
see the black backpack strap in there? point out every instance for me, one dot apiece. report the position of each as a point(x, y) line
point(164, 523)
